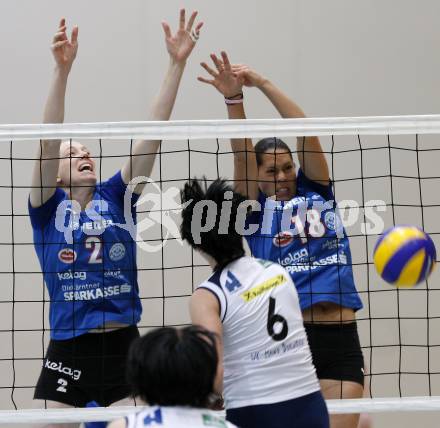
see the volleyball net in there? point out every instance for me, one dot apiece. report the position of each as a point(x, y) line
point(384, 170)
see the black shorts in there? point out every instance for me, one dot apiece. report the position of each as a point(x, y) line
point(90, 367)
point(336, 351)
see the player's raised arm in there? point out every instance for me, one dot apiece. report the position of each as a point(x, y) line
point(310, 154)
point(205, 311)
point(230, 86)
point(44, 179)
point(179, 47)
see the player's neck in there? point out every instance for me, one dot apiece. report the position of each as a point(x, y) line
point(82, 195)
point(209, 259)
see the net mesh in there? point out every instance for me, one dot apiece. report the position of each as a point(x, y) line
point(384, 168)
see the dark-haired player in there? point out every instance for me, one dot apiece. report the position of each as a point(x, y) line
point(252, 305)
point(175, 372)
point(311, 244)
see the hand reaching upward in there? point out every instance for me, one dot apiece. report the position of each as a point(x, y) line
point(181, 44)
point(225, 80)
point(64, 50)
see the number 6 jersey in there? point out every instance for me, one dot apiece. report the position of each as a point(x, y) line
point(266, 354)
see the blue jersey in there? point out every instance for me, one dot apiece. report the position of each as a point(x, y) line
point(305, 235)
point(88, 261)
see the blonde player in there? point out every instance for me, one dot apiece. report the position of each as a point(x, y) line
point(92, 276)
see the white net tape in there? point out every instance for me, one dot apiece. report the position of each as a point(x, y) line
point(375, 405)
point(200, 129)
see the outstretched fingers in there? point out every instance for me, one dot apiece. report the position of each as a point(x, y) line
point(166, 30)
point(208, 81)
point(225, 60)
point(211, 71)
point(74, 35)
point(182, 19)
point(191, 21)
point(217, 62)
point(60, 35)
point(60, 38)
point(198, 27)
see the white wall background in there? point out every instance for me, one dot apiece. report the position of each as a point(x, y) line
point(338, 58)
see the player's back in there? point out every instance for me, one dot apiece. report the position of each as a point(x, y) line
point(176, 417)
point(266, 353)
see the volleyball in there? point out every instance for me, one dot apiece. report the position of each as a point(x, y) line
point(404, 256)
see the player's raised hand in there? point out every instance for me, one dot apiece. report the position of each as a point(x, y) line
point(64, 49)
point(181, 44)
point(225, 80)
point(248, 76)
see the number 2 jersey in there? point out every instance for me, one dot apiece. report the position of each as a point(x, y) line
point(88, 262)
point(176, 417)
point(266, 355)
point(305, 235)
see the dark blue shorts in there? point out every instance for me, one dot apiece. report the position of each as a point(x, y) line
point(308, 411)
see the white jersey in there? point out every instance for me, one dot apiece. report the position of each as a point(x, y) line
point(176, 417)
point(266, 353)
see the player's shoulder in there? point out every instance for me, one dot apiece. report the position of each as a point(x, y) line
point(243, 272)
point(247, 270)
point(253, 266)
point(313, 190)
point(247, 263)
point(112, 188)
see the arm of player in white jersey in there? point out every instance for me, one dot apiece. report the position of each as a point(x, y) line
point(205, 311)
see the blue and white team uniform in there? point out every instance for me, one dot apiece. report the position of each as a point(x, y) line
point(176, 417)
point(305, 235)
point(89, 267)
point(269, 378)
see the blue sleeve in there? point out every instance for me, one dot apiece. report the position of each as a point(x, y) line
point(305, 185)
point(114, 189)
point(40, 216)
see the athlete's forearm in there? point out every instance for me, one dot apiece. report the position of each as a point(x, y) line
point(245, 162)
point(239, 145)
point(160, 110)
point(54, 108)
point(285, 106)
point(164, 102)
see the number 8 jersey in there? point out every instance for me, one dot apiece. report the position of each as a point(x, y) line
point(266, 354)
point(306, 236)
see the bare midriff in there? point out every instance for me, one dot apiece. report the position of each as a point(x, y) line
point(327, 312)
point(109, 326)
